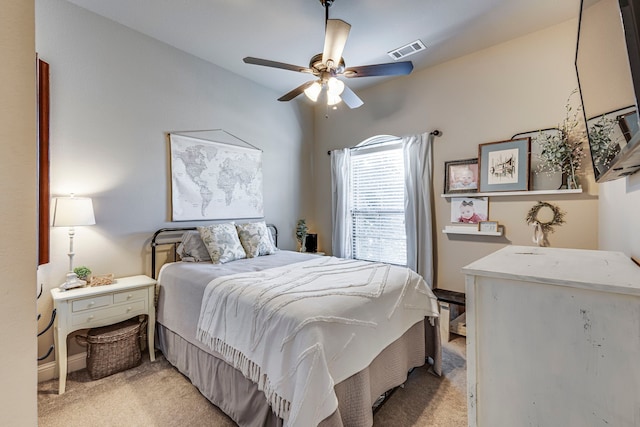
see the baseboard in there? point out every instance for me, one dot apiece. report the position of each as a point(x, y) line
point(46, 371)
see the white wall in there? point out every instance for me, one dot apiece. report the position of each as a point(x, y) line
point(518, 86)
point(619, 228)
point(619, 208)
point(18, 212)
point(114, 95)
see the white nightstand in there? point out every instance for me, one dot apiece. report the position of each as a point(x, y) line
point(93, 307)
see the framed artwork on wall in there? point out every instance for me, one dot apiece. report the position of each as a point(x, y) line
point(461, 176)
point(504, 165)
point(469, 210)
point(214, 179)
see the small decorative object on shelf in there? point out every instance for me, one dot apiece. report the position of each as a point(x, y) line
point(541, 223)
point(488, 226)
point(564, 151)
point(301, 233)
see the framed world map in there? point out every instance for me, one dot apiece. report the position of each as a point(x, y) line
point(214, 180)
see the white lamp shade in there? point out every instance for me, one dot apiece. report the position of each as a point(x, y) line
point(72, 211)
point(333, 99)
point(313, 91)
point(335, 86)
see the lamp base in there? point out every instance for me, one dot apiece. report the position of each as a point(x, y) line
point(72, 282)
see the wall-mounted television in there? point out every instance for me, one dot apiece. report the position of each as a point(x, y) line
point(608, 68)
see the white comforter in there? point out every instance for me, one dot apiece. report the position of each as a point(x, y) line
point(300, 329)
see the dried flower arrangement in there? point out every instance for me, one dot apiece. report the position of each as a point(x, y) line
point(564, 151)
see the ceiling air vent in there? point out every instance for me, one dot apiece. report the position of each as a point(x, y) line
point(407, 50)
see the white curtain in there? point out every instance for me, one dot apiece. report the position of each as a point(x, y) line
point(418, 159)
point(340, 209)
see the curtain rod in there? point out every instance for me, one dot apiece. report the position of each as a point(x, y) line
point(435, 132)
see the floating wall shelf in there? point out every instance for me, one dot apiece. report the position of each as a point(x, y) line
point(461, 229)
point(514, 193)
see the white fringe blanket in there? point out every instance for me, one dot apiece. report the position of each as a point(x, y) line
point(298, 330)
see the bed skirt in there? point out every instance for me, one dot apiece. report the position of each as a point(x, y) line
point(241, 400)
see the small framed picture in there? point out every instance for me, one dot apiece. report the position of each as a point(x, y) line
point(504, 165)
point(469, 210)
point(628, 124)
point(488, 226)
point(461, 176)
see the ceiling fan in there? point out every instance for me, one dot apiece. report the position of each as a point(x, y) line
point(329, 64)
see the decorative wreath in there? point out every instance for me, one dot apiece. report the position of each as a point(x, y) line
point(558, 216)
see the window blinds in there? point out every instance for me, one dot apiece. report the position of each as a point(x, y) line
point(377, 203)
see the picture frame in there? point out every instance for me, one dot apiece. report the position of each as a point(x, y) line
point(504, 165)
point(469, 210)
point(461, 176)
point(628, 123)
point(488, 226)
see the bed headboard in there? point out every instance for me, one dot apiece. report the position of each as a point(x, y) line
point(173, 236)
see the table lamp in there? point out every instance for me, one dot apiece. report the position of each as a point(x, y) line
point(71, 212)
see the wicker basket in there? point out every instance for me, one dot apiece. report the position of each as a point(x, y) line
point(113, 348)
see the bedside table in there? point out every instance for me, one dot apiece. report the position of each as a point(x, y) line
point(92, 307)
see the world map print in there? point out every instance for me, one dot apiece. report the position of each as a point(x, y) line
point(212, 180)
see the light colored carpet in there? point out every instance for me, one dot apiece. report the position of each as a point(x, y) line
point(156, 394)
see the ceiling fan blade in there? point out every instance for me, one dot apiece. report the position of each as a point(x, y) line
point(275, 64)
point(335, 39)
point(295, 92)
point(350, 98)
point(391, 69)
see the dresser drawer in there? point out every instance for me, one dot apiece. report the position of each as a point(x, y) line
point(93, 302)
point(130, 295)
point(124, 311)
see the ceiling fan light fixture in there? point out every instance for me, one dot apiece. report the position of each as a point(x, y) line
point(333, 98)
point(313, 91)
point(335, 86)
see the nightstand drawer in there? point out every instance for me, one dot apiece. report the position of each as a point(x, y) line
point(89, 318)
point(130, 295)
point(94, 302)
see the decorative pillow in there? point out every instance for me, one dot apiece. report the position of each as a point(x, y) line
point(222, 243)
point(192, 248)
point(256, 239)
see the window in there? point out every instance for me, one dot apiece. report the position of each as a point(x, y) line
point(377, 202)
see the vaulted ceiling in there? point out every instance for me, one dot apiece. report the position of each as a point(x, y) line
point(292, 31)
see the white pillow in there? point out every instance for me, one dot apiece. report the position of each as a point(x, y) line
point(255, 239)
point(192, 248)
point(222, 243)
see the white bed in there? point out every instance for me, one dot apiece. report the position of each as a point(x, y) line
point(329, 357)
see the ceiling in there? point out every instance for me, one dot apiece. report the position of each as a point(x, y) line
point(292, 31)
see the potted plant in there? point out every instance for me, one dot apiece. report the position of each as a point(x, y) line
point(301, 233)
point(82, 272)
point(564, 151)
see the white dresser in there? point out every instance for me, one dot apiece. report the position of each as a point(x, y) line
point(553, 338)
